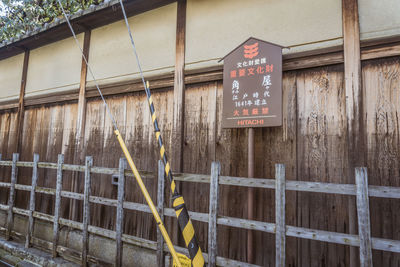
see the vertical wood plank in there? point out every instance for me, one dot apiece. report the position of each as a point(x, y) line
point(280, 202)
point(160, 209)
point(212, 216)
point(364, 225)
point(179, 88)
point(179, 103)
point(354, 103)
point(81, 116)
point(86, 209)
point(120, 211)
point(57, 206)
point(250, 194)
point(382, 126)
point(21, 104)
point(11, 199)
point(80, 123)
point(32, 200)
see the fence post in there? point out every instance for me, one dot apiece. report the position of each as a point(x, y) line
point(212, 216)
point(160, 209)
point(86, 209)
point(280, 236)
point(57, 204)
point(14, 174)
point(120, 211)
point(32, 200)
point(364, 226)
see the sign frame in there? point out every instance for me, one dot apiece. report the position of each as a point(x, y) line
point(252, 85)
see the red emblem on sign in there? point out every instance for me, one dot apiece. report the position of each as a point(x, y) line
point(251, 51)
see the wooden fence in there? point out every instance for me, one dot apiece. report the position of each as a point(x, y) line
point(361, 190)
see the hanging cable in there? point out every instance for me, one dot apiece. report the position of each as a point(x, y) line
point(181, 211)
point(126, 152)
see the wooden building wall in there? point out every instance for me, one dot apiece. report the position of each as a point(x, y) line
point(312, 143)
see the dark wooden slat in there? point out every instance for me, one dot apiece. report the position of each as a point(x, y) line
point(57, 206)
point(160, 209)
point(380, 51)
point(213, 210)
point(32, 200)
point(12, 104)
point(120, 211)
point(86, 210)
point(52, 98)
point(313, 61)
point(11, 199)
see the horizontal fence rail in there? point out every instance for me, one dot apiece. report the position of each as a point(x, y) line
point(316, 187)
point(361, 190)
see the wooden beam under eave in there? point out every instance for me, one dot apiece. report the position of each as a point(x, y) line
point(179, 88)
point(353, 88)
point(79, 154)
point(21, 104)
point(80, 125)
point(354, 106)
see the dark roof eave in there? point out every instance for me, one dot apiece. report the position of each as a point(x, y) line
point(91, 18)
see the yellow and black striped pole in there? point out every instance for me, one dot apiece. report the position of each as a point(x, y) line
point(181, 211)
point(182, 214)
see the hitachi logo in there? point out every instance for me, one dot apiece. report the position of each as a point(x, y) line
point(250, 122)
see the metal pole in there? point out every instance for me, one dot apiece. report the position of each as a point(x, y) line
point(250, 195)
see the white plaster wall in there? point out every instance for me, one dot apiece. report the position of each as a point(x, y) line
point(111, 55)
point(379, 18)
point(215, 27)
point(10, 77)
point(54, 67)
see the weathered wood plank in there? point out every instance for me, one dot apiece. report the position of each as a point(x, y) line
point(57, 205)
point(325, 236)
point(179, 87)
point(321, 157)
point(280, 202)
point(160, 210)
point(312, 61)
point(80, 122)
point(250, 193)
point(364, 225)
point(21, 105)
point(380, 52)
point(32, 200)
point(316, 187)
point(382, 109)
point(120, 212)
point(212, 217)
point(354, 103)
point(86, 210)
point(11, 199)
point(178, 117)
